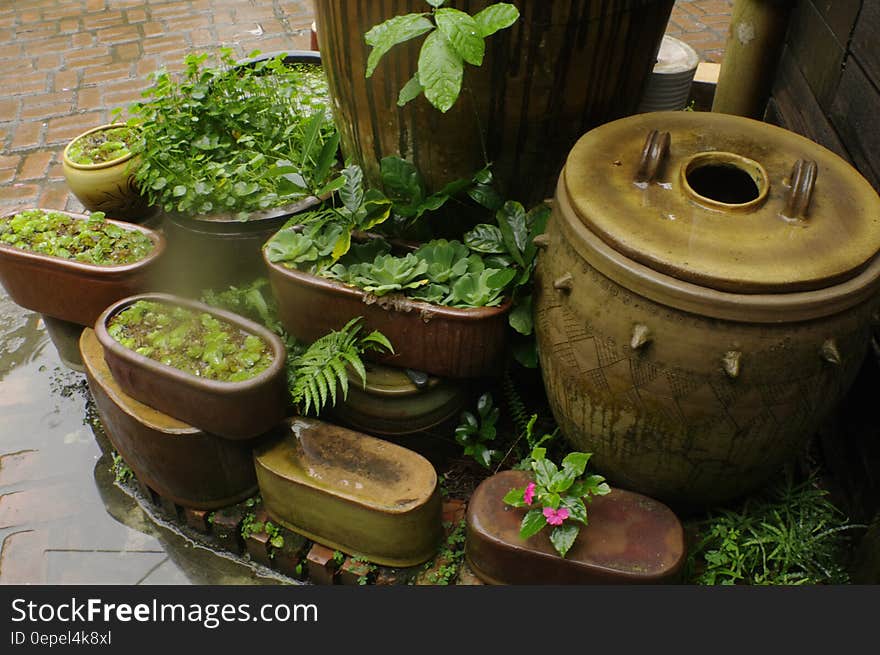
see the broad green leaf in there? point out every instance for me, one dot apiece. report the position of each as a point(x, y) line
point(179, 190)
point(343, 243)
point(402, 181)
point(526, 353)
point(576, 462)
point(485, 238)
point(538, 454)
point(544, 472)
point(326, 159)
point(520, 318)
point(312, 128)
point(410, 91)
point(486, 196)
point(512, 221)
point(441, 70)
point(436, 3)
point(563, 537)
point(562, 480)
point(484, 404)
point(533, 522)
point(463, 33)
point(515, 497)
point(393, 31)
point(496, 17)
point(352, 191)
point(576, 509)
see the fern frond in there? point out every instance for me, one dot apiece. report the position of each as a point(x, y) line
point(324, 366)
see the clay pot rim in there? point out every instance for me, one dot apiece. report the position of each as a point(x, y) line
point(765, 308)
point(96, 167)
point(253, 217)
point(85, 268)
point(402, 304)
point(157, 368)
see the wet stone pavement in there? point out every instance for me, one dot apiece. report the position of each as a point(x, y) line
point(64, 66)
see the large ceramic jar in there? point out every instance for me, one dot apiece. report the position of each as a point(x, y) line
point(564, 67)
point(703, 300)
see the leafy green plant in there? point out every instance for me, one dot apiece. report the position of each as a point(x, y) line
point(315, 374)
point(122, 473)
point(103, 145)
point(557, 497)
point(447, 563)
point(477, 432)
point(195, 342)
point(253, 300)
point(788, 534)
point(453, 39)
point(385, 274)
point(93, 240)
point(235, 138)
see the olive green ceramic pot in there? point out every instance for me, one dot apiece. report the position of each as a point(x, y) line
point(565, 66)
point(704, 298)
point(109, 186)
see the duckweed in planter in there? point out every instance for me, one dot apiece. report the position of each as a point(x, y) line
point(93, 240)
point(103, 146)
point(193, 342)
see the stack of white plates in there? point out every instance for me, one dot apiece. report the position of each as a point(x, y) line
point(669, 86)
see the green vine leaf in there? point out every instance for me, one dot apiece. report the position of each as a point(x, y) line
point(563, 537)
point(410, 91)
point(441, 70)
point(533, 522)
point(392, 32)
point(495, 18)
point(463, 33)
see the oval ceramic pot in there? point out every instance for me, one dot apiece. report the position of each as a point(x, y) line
point(351, 492)
point(629, 539)
point(391, 404)
point(214, 251)
point(445, 341)
point(73, 291)
point(692, 392)
point(107, 187)
point(188, 466)
point(235, 410)
point(564, 67)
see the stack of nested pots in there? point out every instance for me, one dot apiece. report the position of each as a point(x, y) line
point(704, 298)
point(188, 438)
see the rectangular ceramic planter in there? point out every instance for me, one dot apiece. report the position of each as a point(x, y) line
point(361, 495)
point(445, 341)
point(75, 291)
point(182, 463)
point(235, 410)
point(630, 539)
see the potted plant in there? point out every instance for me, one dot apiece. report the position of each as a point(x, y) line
point(73, 266)
point(230, 151)
point(208, 367)
point(623, 537)
point(99, 167)
point(444, 305)
point(530, 90)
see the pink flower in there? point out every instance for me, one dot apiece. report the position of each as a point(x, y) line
point(555, 517)
point(529, 494)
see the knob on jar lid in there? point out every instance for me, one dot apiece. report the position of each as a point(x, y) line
point(724, 202)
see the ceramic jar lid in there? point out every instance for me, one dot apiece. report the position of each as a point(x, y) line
point(724, 202)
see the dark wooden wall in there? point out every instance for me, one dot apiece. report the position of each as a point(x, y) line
point(828, 82)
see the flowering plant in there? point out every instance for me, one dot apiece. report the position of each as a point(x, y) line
point(557, 497)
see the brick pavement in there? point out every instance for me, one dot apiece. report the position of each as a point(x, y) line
point(703, 25)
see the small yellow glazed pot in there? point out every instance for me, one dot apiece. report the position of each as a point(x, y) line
point(109, 186)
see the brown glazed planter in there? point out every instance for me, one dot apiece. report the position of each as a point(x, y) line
point(74, 291)
point(445, 341)
point(345, 490)
point(182, 463)
point(629, 539)
point(693, 340)
point(235, 410)
point(566, 66)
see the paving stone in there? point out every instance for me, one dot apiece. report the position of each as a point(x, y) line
point(197, 519)
point(23, 558)
point(226, 528)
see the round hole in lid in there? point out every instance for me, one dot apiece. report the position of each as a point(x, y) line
point(724, 180)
